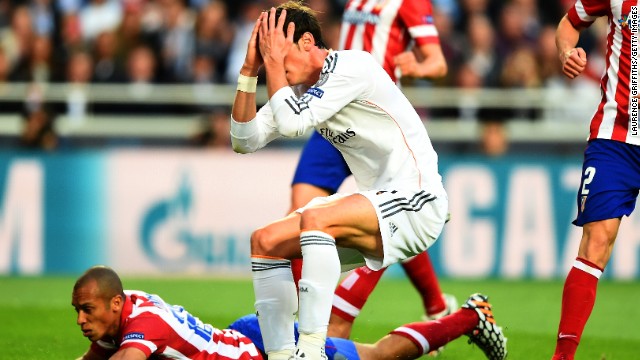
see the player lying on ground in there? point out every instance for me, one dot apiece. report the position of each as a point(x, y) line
point(135, 325)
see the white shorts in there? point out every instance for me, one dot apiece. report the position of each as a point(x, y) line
point(410, 222)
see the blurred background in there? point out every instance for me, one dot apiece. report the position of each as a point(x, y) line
point(114, 138)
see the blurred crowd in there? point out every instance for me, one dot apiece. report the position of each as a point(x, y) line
point(488, 43)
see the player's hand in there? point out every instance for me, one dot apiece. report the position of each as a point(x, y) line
point(407, 63)
point(253, 59)
point(274, 45)
point(573, 62)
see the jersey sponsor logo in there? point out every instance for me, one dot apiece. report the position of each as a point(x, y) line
point(337, 138)
point(317, 92)
point(134, 335)
point(357, 17)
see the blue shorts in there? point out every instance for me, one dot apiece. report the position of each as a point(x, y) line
point(610, 181)
point(321, 165)
point(335, 348)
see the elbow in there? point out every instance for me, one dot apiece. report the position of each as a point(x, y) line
point(241, 147)
point(441, 69)
point(288, 130)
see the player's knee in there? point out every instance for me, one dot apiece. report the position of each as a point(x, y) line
point(314, 219)
point(263, 242)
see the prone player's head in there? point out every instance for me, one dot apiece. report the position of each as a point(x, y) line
point(98, 298)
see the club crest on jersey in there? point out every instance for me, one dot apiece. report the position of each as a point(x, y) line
point(317, 92)
point(629, 18)
point(583, 202)
point(134, 335)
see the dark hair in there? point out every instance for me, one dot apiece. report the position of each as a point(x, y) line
point(305, 20)
point(108, 281)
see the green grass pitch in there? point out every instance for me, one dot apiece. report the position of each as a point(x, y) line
point(38, 322)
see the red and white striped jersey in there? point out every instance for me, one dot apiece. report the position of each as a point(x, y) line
point(385, 28)
point(168, 331)
point(616, 117)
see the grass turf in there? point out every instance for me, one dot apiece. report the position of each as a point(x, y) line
point(38, 322)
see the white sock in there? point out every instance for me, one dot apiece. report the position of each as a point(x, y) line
point(276, 304)
point(320, 276)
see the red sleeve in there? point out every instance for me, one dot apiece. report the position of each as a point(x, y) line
point(146, 332)
point(584, 12)
point(417, 16)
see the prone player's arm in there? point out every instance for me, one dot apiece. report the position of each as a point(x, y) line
point(573, 60)
point(129, 353)
point(92, 355)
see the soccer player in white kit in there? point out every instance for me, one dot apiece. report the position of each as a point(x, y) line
point(350, 100)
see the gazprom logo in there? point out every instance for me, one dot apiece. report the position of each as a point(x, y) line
point(317, 92)
point(134, 335)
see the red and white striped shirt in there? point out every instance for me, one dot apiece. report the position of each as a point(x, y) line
point(169, 331)
point(385, 28)
point(616, 117)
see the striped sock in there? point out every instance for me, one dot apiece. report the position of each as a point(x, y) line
point(276, 303)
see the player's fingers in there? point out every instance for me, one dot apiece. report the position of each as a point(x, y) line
point(281, 19)
point(290, 31)
point(272, 19)
point(256, 27)
point(582, 55)
point(263, 26)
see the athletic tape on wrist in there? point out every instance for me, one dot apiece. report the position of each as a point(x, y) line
point(247, 84)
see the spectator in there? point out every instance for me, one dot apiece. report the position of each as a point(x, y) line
point(480, 53)
point(176, 45)
point(216, 130)
point(38, 131)
point(213, 35)
point(108, 68)
point(78, 75)
point(16, 40)
point(99, 16)
point(39, 66)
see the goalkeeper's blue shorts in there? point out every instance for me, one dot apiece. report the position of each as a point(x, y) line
point(321, 164)
point(335, 348)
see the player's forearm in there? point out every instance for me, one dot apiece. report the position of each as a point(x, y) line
point(567, 36)
point(244, 104)
point(432, 69)
point(276, 78)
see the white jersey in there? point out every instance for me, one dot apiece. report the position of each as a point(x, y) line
point(359, 109)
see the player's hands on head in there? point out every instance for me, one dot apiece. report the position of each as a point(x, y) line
point(253, 59)
point(273, 43)
point(573, 62)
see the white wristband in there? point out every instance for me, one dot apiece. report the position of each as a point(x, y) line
point(247, 84)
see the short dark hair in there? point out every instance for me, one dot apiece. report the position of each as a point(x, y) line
point(305, 20)
point(108, 281)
